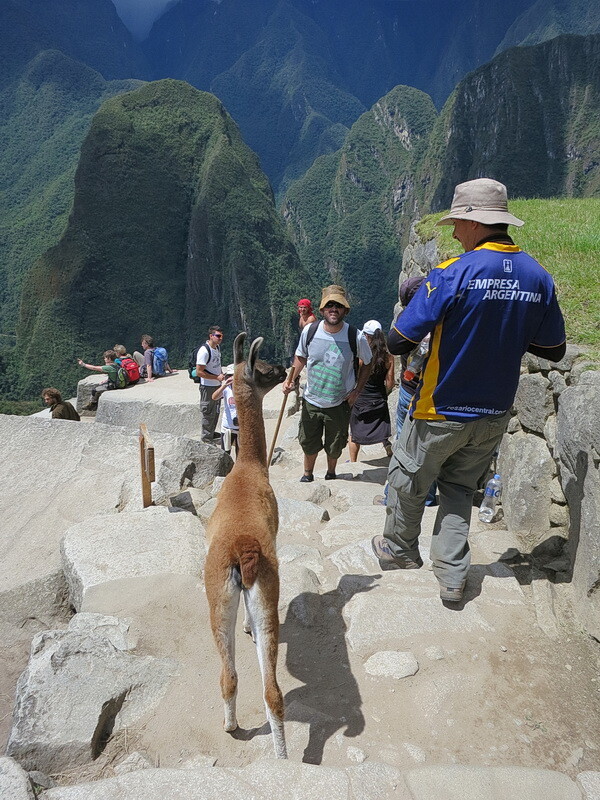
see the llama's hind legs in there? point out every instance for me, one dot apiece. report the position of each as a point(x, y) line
point(223, 618)
point(265, 629)
point(247, 619)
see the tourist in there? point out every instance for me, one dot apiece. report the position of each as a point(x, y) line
point(330, 350)
point(59, 408)
point(306, 315)
point(370, 415)
point(208, 369)
point(229, 424)
point(114, 375)
point(484, 309)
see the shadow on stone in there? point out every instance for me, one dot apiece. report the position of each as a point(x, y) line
point(317, 655)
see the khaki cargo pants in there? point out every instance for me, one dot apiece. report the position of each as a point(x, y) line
point(458, 456)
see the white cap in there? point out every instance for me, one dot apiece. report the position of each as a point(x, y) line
point(229, 369)
point(371, 326)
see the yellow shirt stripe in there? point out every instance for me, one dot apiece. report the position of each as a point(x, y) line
point(425, 407)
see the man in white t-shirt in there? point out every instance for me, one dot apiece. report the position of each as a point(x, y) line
point(208, 369)
point(330, 350)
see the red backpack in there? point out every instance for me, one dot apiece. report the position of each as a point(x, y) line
point(131, 368)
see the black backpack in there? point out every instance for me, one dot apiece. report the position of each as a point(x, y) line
point(352, 334)
point(193, 360)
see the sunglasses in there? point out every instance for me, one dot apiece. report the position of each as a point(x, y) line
point(217, 335)
point(331, 304)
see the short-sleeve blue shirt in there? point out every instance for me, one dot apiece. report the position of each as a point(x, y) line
point(483, 310)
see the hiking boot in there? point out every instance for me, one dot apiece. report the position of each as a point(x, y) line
point(330, 476)
point(307, 478)
point(387, 560)
point(91, 406)
point(452, 595)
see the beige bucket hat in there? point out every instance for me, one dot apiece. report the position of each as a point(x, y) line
point(334, 293)
point(481, 200)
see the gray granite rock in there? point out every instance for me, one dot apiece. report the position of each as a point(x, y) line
point(317, 492)
point(298, 516)
point(130, 545)
point(590, 784)
point(557, 382)
point(566, 364)
point(533, 401)
point(191, 500)
point(392, 664)
point(205, 783)
point(514, 425)
point(81, 677)
point(132, 763)
point(378, 621)
point(167, 405)
point(300, 555)
point(527, 470)
point(14, 781)
point(187, 463)
point(578, 449)
point(492, 783)
point(299, 593)
point(558, 515)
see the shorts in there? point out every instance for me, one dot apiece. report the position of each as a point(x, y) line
point(330, 422)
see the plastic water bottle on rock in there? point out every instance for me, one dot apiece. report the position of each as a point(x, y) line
point(493, 490)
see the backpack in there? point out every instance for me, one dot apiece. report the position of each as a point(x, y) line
point(159, 359)
point(193, 360)
point(131, 368)
point(352, 334)
point(122, 378)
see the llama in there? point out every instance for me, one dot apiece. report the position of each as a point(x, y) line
point(241, 555)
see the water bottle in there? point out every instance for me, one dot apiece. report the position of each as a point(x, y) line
point(415, 364)
point(487, 509)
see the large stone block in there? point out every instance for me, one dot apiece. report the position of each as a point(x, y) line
point(534, 402)
point(167, 405)
point(14, 781)
point(131, 545)
point(527, 470)
point(578, 451)
point(495, 783)
point(77, 689)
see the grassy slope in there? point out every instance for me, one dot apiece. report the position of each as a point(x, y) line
point(563, 235)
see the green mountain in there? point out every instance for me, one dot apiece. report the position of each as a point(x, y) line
point(529, 118)
point(45, 113)
point(547, 19)
point(173, 228)
point(295, 74)
point(349, 215)
point(89, 31)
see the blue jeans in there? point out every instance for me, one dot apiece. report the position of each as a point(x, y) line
point(401, 411)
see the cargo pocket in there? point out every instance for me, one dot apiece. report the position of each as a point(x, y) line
point(405, 465)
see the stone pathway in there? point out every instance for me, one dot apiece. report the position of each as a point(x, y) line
point(391, 692)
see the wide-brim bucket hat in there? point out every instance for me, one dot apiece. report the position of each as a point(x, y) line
point(481, 200)
point(335, 294)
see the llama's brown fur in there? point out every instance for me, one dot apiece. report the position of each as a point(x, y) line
point(241, 554)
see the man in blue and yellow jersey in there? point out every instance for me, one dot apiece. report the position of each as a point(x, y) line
point(484, 310)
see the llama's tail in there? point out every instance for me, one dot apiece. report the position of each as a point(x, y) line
point(246, 552)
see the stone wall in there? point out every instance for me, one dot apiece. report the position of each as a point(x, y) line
point(549, 462)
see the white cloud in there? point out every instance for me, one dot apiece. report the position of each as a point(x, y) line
point(138, 15)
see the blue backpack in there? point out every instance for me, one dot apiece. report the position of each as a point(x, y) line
point(159, 359)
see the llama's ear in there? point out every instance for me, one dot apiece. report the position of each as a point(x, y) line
point(253, 355)
point(238, 348)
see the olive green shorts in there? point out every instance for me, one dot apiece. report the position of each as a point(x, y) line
point(330, 423)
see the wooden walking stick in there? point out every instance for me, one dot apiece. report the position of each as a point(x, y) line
point(285, 397)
